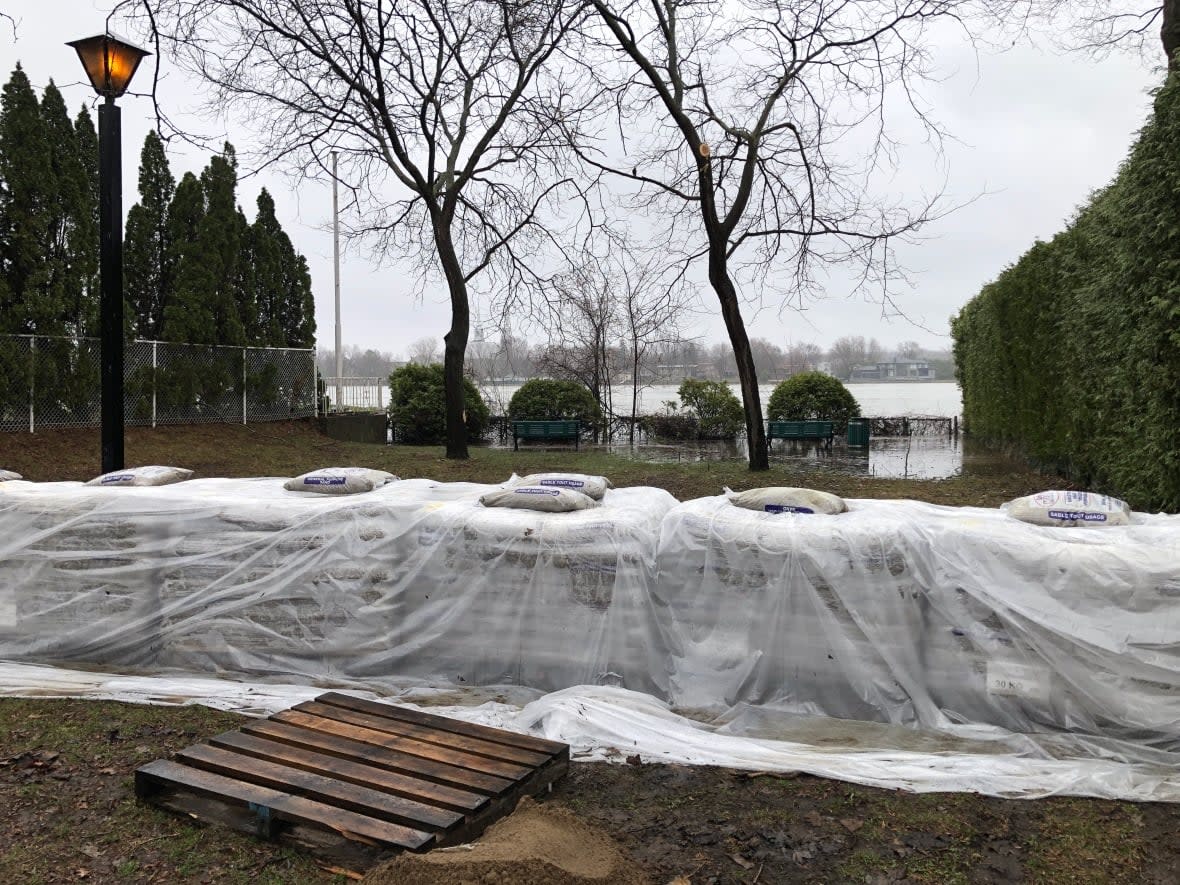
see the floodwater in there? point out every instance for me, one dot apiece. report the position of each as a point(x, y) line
point(908, 457)
point(912, 457)
point(941, 399)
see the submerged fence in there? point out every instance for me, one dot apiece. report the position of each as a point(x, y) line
point(55, 382)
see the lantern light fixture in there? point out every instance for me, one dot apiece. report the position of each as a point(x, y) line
point(110, 62)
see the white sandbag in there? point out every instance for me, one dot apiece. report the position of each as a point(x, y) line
point(339, 480)
point(1069, 509)
point(593, 486)
point(9, 475)
point(543, 498)
point(784, 499)
point(142, 477)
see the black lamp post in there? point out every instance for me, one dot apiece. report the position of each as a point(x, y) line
point(110, 64)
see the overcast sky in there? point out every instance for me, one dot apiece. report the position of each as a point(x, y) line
point(1036, 132)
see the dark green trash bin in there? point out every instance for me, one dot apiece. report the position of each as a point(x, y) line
point(858, 431)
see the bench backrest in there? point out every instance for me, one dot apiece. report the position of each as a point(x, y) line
point(546, 428)
point(802, 429)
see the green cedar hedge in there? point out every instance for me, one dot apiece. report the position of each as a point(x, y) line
point(1072, 356)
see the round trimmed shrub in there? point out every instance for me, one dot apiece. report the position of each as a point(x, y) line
point(719, 413)
point(813, 396)
point(547, 399)
point(418, 406)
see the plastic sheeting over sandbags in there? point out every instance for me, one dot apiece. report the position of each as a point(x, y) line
point(915, 614)
point(612, 724)
point(414, 579)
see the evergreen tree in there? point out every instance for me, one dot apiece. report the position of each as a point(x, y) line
point(84, 244)
point(148, 254)
point(282, 284)
point(220, 239)
point(299, 309)
point(63, 193)
point(185, 318)
point(25, 173)
point(204, 308)
point(244, 293)
point(266, 250)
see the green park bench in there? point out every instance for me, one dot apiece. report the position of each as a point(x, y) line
point(545, 431)
point(824, 431)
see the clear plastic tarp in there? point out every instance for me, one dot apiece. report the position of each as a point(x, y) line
point(903, 636)
point(415, 579)
point(914, 614)
point(604, 723)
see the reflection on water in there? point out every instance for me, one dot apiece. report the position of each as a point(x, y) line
point(913, 457)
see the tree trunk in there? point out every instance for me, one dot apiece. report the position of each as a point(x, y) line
point(1170, 31)
point(740, 341)
point(634, 386)
point(454, 344)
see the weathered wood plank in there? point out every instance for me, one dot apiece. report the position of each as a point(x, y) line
point(443, 723)
point(327, 845)
point(355, 781)
point(462, 801)
point(380, 756)
point(464, 743)
point(327, 790)
point(411, 746)
point(277, 805)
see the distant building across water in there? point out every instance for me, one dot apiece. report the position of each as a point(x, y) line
point(894, 370)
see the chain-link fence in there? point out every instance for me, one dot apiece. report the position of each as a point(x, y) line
point(55, 382)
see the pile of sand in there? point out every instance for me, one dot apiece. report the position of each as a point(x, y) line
point(535, 845)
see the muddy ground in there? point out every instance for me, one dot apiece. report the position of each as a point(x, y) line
point(68, 814)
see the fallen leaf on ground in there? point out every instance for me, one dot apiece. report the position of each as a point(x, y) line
point(742, 862)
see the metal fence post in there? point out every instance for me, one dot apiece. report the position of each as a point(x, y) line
point(32, 383)
point(243, 385)
point(154, 384)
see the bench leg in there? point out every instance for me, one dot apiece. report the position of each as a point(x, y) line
point(515, 443)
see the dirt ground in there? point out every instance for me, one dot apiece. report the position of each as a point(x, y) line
point(68, 813)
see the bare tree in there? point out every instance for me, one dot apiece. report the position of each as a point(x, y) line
point(732, 123)
point(445, 102)
point(803, 357)
point(720, 359)
point(581, 321)
point(846, 354)
point(652, 310)
point(909, 350)
point(424, 351)
point(1100, 26)
point(769, 358)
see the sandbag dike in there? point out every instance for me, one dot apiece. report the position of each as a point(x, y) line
point(895, 612)
point(915, 614)
point(412, 580)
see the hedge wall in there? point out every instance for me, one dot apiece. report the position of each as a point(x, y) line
point(1073, 354)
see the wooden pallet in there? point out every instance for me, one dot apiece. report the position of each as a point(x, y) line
point(355, 781)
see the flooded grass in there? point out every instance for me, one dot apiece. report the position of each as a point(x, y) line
point(912, 457)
